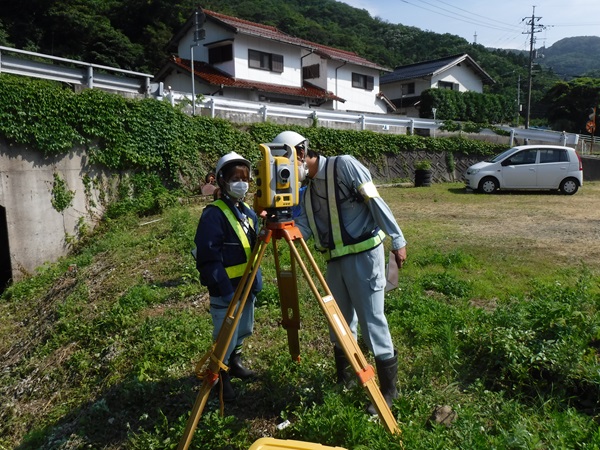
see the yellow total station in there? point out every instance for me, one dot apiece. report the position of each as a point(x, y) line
point(277, 184)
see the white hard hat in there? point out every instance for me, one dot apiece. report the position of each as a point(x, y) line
point(290, 138)
point(231, 157)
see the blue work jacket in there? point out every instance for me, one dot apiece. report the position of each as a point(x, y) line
point(218, 246)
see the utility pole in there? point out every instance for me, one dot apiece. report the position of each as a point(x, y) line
point(199, 34)
point(518, 99)
point(534, 29)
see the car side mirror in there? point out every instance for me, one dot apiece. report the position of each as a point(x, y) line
point(506, 162)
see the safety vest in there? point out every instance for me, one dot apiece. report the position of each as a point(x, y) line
point(341, 243)
point(237, 270)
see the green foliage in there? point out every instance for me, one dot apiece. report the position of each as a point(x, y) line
point(571, 103)
point(423, 164)
point(62, 197)
point(446, 284)
point(469, 106)
point(573, 57)
point(450, 162)
point(141, 194)
point(38, 113)
point(539, 345)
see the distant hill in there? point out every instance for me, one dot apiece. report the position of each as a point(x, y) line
point(573, 57)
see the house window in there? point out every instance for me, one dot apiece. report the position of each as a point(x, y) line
point(265, 61)
point(312, 71)
point(361, 81)
point(408, 88)
point(445, 85)
point(220, 54)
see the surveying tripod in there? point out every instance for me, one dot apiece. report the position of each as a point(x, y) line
point(277, 228)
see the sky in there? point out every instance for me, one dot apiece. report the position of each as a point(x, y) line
point(496, 23)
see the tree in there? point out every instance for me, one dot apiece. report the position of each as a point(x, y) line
point(569, 103)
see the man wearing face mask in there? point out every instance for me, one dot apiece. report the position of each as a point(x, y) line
point(225, 237)
point(348, 219)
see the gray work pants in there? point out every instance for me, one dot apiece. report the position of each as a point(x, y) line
point(357, 283)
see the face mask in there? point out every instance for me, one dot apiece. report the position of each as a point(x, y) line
point(237, 189)
point(302, 171)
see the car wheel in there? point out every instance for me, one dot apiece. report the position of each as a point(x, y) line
point(569, 186)
point(488, 185)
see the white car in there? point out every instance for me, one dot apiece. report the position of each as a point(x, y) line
point(528, 167)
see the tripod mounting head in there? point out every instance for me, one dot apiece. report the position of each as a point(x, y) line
point(277, 181)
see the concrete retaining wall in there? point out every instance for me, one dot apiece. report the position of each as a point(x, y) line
point(34, 232)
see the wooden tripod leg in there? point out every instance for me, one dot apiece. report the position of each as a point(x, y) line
point(288, 299)
point(342, 331)
point(215, 360)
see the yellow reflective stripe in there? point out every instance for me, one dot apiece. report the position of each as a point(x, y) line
point(368, 244)
point(336, 230)
point(237, 270)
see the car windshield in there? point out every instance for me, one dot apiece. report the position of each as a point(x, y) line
point(502, 155)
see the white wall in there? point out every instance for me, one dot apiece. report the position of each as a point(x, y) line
point(357, 99)
point(308, 60)
point(463, 76)
point(292, 70)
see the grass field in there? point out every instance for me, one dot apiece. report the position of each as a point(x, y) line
point(497, 316)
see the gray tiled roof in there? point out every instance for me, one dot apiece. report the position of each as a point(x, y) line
point(430, 68)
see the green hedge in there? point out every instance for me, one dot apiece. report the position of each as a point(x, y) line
point(151, 136)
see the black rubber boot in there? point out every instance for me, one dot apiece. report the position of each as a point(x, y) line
point(387, 371)
point(225, 381)
point(236, 369)
point(345, 375)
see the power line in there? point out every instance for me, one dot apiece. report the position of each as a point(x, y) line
point(483, 17)
point(462, 17)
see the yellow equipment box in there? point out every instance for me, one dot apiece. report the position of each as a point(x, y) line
point(286, 444)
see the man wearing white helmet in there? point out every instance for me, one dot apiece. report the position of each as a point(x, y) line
point(298, 141)
point(226, 235)
point(348, 219)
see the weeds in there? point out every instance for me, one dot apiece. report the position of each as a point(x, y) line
point(98, 349)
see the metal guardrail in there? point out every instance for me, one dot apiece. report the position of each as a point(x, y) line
point(73, 72)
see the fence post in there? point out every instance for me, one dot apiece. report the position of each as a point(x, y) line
point(211, 103)
point(263, 112)
point(363, 124)
point(90, 77)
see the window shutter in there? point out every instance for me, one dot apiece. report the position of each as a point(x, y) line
point(277, 61)
point(312, 71)
point(253, 58)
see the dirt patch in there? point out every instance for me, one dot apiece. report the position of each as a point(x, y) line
point(564, 227)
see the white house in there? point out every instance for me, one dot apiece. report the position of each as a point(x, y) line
point(239, 59)
point(406, 83)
